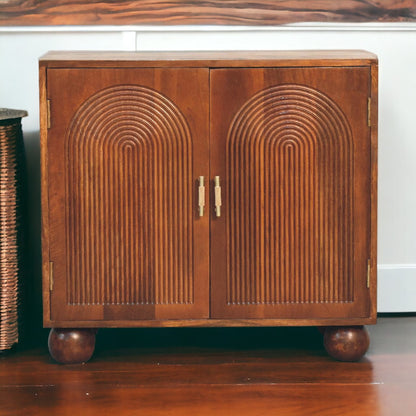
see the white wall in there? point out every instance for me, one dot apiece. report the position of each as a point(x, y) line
point(395, 45)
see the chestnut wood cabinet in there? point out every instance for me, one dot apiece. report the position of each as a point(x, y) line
point(208, 189)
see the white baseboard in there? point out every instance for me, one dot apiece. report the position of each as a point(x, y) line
point(396, 288)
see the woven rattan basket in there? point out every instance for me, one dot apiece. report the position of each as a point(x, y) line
point(11, 228)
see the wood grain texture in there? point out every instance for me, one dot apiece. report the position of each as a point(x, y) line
point(70, 346)
point(374, 192)
point(282, 371)
point(242, 400)
point(257, 12)
point(130, 191)
point(292, 147)
point(290, 169)
point(346, 343)
point(43, 112)
point(209, 323)
point(204, 59)
point(124, 231)
point(301, 218)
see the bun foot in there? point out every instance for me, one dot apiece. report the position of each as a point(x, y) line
point(348, 343)
point(71, 346)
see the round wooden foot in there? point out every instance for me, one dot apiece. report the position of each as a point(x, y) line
point(71, 346)
point(348, 343)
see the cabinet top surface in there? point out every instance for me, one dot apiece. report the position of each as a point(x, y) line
point(209, 58)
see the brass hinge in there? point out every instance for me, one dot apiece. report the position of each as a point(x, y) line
point(369, 112)
point(51, 276)
point(48, 113)
point(368, 273)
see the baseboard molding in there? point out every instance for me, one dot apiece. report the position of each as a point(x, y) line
point(396, 288)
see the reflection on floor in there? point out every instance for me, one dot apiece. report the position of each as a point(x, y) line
point(217, 371)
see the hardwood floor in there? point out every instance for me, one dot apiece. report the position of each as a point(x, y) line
point(227, 371)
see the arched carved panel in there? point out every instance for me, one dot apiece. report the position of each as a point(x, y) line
point(290, 178)
point(129, 200)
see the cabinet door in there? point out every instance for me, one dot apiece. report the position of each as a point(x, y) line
point(125, 149)
point(292, 149)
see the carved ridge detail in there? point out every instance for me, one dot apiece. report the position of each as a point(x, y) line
point(129, 209)
point(290, 199)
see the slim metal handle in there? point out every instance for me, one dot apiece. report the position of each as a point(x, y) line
point(217, 192)
point(201, 196)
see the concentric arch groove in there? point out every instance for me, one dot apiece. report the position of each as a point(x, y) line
point(129, 237)
point(290, 199)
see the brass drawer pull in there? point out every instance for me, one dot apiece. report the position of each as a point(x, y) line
point(201, 196)
point(217, 191)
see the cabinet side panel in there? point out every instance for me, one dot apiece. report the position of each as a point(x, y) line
point(374, 181)
point(43, 110)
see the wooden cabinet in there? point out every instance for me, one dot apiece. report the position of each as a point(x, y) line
point(208, 189)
